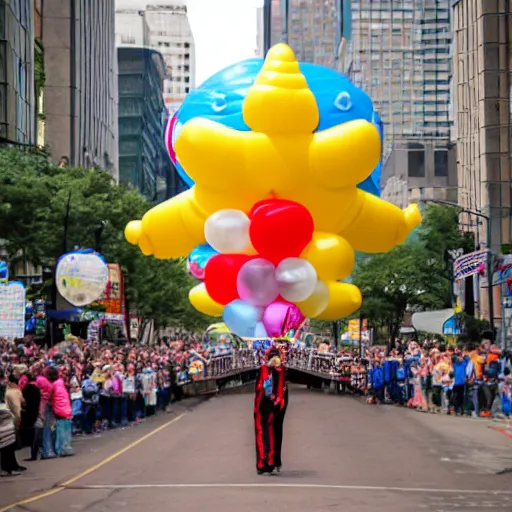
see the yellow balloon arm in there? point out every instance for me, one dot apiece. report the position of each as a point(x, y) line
point(345, 154)
point(378, 226)
point(169, 230)
point(344, 299)
point(209, 152)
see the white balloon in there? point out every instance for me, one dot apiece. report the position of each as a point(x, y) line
point(227, 231)
point(82, 277)
point(296, 278)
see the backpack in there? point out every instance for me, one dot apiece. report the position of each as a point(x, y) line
point(89, 390)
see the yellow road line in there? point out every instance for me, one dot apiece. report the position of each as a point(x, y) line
point(63, 485)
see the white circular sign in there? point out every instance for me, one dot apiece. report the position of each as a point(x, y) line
point(82, 277)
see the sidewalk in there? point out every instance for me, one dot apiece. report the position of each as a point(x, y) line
point(43, 475)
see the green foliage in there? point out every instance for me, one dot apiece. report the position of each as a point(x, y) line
point(33, 199)
point(416, 275)
point(39, 72)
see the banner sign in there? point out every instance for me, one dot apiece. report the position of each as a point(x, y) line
point(353, 328)
point(113, 298)
point(12, 310)
point(469, 264)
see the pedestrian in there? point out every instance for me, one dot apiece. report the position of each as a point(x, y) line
point(8, 464)
point(269, 394)
point(30, 412)
point(61, 405)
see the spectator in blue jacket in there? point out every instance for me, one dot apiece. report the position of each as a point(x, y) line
point(460, 363)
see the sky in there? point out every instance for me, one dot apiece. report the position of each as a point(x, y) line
point(224, 33)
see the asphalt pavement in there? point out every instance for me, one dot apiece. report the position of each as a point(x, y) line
point(339, 454)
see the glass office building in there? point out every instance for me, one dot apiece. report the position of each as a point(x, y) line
point(401, 58)
point(399, 52)
point(17, 97)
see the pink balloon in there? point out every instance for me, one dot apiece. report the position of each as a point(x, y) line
point(281, 316)
point(256, 282)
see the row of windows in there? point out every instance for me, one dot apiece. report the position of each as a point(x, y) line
point(416, 164)
point(170, 44)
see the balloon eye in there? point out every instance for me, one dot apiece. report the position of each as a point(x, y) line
point(219, 104)
point(343, 101)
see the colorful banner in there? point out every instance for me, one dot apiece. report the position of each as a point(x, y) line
point(469, 264)
point(353, 329)
point(113, 298)
point(12, 310)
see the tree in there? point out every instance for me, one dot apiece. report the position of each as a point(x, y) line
point(34, 195)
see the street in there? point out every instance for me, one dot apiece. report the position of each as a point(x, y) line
point(339, 454)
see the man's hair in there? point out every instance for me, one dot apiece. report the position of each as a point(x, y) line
point(53, 374)
point(13, 379)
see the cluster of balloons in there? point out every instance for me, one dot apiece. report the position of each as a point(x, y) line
point(257, 269)
point(283, 158)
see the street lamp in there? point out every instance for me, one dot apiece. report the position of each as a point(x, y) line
point(488, 245)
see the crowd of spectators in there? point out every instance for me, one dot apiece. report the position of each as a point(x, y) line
point(81, 388)
point(47, 395)
point(434, 377)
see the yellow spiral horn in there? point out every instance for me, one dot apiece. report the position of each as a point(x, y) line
point(280, 101)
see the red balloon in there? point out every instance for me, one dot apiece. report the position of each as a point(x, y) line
point(220, 276)
point(280, 228)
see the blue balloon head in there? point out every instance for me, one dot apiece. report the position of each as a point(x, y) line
point(221, 97)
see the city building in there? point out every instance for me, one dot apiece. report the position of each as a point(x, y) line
point(132, 28)
point(310, 27)
point(143, 160)
point(39, 75)
point(260, 33)
point(401, 56)
point(18, 106)
point(80, 90)
point(170, 34)
point(482, 105)
point(399, 53)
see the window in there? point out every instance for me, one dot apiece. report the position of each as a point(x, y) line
point(441, 163)
point(416, 163)
point(187, 89)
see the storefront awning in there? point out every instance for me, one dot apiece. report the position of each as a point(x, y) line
point(432, 321)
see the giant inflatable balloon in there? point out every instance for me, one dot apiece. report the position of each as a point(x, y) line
point(281, 157)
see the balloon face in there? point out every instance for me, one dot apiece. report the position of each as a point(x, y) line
point(221, 274)
point(221, 97)
point(242, 318)
point(316, 303)
point(198, 258)
point(296, 279)
point(256, 282)
point(227, 231)
point(279, 317)
point(82, 277)
point(280, 228)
